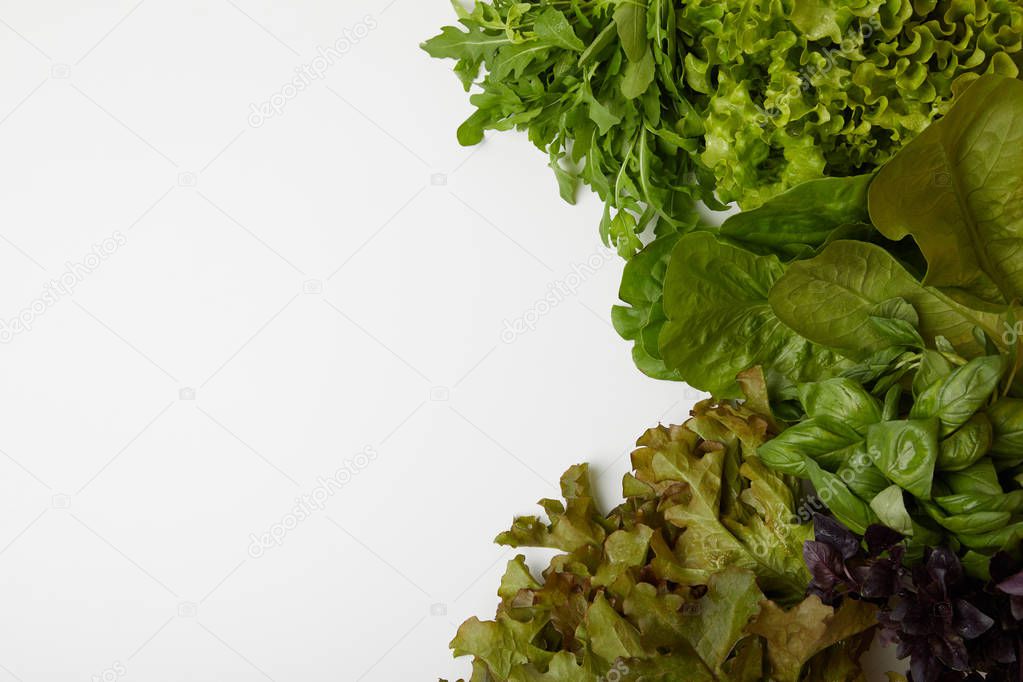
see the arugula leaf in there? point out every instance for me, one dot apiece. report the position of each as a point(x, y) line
point(552, 27)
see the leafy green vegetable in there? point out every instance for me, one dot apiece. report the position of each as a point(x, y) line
point(642, 319)
point(697, 575)
point(906, 452)
point(660, 103)
point(804, 284)
point(956, 189)
point(924, 466)
point(796, 223)
point(720, 322)
point(830, 300)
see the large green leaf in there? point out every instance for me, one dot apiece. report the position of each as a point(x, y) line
point(957, 189)
point(830, 300)
point(803, 218)
point(720, 322)
point(641, 320)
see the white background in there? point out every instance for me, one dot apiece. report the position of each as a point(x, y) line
point(126, 511)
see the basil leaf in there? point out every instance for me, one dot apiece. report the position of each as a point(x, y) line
point(906, 452)
point(967, 445)
point(1006, 417)
point(890, 508)
point(843, 503)
point(958, 396)
point(811, 440)
point(979, 479)
point(966, 503)
point(933, 367)
point(841, 399)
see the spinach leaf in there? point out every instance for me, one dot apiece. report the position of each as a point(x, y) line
point(720, 322)
point(640, 321)
point(831, 298)
point(797, 222)
point(957, 189)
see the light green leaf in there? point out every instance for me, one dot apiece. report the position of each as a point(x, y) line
point(553, 28)
point(955, 398)
point(906, 452)
point(958, 189)
point(630, 18)
point(638, 76)
point(842, 400)
point(720, 322)
point(732, 600)
point(890, 508)
point(802, 218)
point(830, 299)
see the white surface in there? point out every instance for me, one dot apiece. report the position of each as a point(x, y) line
point(125, 511)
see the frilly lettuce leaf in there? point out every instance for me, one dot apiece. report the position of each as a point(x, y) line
point(697, 575)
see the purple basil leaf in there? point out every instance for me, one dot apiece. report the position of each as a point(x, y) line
point(824, 563)
point(1016, 607)
point(1001, 650)
point(971, 622)
point(835, 534)
point(1012, 585)
point(951, 650)
point(879, 581)
point(924, 667)
point(944, 568)
point(880, 539)
point(1002, 566)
